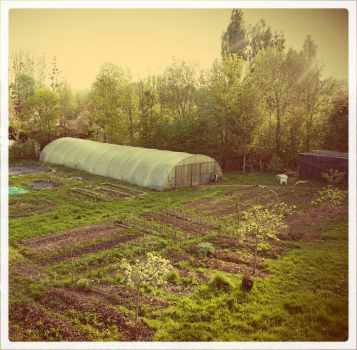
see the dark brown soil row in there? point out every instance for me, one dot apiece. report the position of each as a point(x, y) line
point(114, 294)
point(182, 225)
point(130, 190)
point(174, 256)
point(266, 199)
point(302, 225)
point(230, 243)
point(217, 206)
point(241, 191)
point(27, 270)
point(91, 193)
point(30, 317)
point(143, 225)
point(59, 240)
point(115, 193)
point(198, 202)
point(191, 218)
point(88, 250)
point(220, 254)
point(200, 276)
point(227, 267)
point(83, 302)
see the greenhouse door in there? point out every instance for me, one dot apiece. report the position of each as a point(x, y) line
point(193, 174)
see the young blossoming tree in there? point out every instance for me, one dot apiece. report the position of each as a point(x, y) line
point(262, 223)
point(151, 270)
point(329, 198)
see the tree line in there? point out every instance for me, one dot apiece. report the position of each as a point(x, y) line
point(260, 104)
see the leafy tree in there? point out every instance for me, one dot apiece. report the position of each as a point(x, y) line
point(149, 116)
point(262, 222)
point(177, 88)
point(23, 88)
point(128, 105)
point(336, 126)
point(67, 105)
point(313, 91)
point(112, 105)
point(40, 114)
point(246, 41)
point(152, 270)
point(234, 39)
point(103, 102)
point(276, 74)
point(224, 87)
point(329, 198)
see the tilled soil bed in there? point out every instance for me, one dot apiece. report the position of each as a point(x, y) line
point(220, 254)
point(264, 199)
point(24, 207)
point(59, 240)
point(30, 317)
point(230, 243)
point(106, 315)
point(87, 250)
point(27, 270)
point(217, 206)
point(200, 276)
point(41, 185)
point(241, 191)
point(91, 193)
point(199, 202)
point(174, 256)
point(26, 169)
point(113, 192)
point(130, 190)
point(302, 225)
point(120, 295)
point(182, 225)
point(227, 267)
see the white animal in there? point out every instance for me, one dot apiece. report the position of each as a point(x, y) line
point(282, 178)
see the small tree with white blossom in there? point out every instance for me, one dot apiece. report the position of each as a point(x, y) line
point(263, 222)
point(329, 198)
point(151, 270)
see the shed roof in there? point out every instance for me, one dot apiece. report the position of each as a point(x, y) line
point(327, 154)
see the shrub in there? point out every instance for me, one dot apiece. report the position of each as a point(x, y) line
point(119, 278)
point(206, 247)
point(334, 177)
point(219, 281)
point(36, 290)
point(25, 150)
point(83, 284)
point(174, 277)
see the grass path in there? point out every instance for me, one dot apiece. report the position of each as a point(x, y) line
point(305, 298)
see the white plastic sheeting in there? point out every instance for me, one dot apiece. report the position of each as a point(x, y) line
point(144, 167)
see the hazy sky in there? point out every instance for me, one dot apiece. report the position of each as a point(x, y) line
point(144, 40)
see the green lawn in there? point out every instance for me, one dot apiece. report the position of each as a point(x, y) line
point(302, 294)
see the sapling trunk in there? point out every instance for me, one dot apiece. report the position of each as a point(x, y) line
point(255, 254)
point(238, 213)
point(137, 307)
point(323, 227)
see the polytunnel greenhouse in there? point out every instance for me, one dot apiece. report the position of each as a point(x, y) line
point(144, 167)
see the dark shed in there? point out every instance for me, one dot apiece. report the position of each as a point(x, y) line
point(312, 164)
